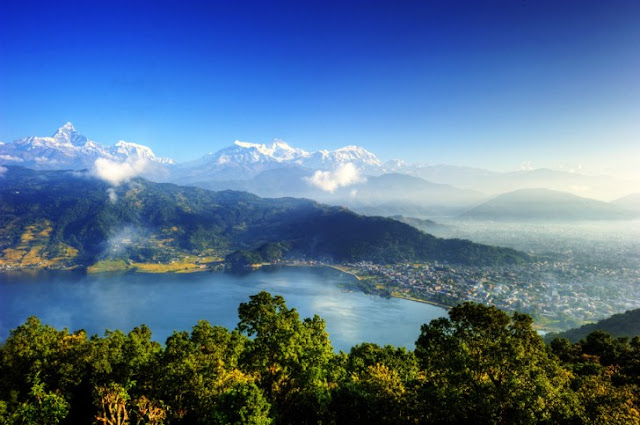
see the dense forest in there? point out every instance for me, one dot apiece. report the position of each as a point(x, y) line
point(480, 365)
point(62, 219)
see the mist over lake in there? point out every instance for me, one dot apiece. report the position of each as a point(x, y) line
point(168, 302)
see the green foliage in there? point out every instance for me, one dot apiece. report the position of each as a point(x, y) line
point(485, 366)
point(243, 259)
point(377, 387)
point(243, 403)
point(41, 408)
point(198, 369)
point(480, 365)
point(288, 355)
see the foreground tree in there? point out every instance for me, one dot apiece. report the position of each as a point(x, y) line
point(378, 386)
point(288, 356)
point(480, 366)
point(604, 377)
point(41, 408)
point(485, 366)
point(200, 381)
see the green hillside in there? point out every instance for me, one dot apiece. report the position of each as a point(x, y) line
point(625, 324)
point(67, 219)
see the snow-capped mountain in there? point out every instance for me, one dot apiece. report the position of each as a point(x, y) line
point(68, 149)
point(245, 160)
point(329, 160)
point(134, 150)
point(238, 165)
point(251, 153)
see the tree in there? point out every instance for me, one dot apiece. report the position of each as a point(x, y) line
point(602, 403)
point(42, 407)
point(377, 386)
point(288, 356)
point(112, 401)
point(148, 412)
point(485, 366)
point(200, 381)
point(375, 395)
point(26, 354)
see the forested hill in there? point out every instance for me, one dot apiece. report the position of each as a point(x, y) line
point(63, 218)
point(625, 324)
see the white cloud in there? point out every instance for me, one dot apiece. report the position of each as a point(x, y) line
point(2, 170)
point(345, 175)
point(582, 189)
point(116, 173)
point(10, 158)
point(113, 196)
point(526, 166)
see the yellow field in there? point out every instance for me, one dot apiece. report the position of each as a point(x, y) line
point(121, 265)
point(164, 268)
point(108, 266)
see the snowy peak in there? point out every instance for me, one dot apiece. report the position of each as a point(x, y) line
point(358, 154)
point(281, 144)
point(282, 153)
point(67, 135)
point(244, 153)
point(247, 145)
point(68, 149)
point(395, 164)
point(359, 157)
point(134, 150)
point(67, 128)
point(278, 151)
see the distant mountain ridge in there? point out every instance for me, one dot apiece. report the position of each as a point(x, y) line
point(385, 194)
point(491, 182)
point(544, 204)
point(630, 202)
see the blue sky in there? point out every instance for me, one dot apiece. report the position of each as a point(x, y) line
point(493, 84)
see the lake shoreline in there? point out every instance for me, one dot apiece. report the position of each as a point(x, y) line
point(350, 273)
point(198, 270)
point(174, 301)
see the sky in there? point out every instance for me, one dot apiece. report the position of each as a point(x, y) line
point(501, 85)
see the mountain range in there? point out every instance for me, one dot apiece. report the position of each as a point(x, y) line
point(245, 160)
point(350, 176)
point(73, 219)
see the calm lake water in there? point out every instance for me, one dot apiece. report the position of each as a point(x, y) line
point(168, 302)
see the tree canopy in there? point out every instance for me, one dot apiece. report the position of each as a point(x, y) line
point(480, 365)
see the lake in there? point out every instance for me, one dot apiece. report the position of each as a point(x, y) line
point(168, 302)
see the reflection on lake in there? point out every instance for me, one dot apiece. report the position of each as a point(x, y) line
point(166, 302)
